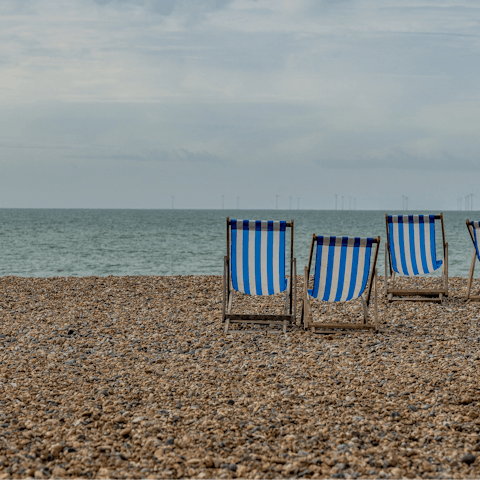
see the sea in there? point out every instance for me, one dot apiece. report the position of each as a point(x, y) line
point(77, 242)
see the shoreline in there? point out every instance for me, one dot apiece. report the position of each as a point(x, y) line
point(131, 377)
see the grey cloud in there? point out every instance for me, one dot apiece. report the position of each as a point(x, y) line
point(167, 7)
point(181, 155)
point(433, 34)
point(127, 157)
point(402, 160)
point(14, 7)
point(163, 7)
point(8, 145)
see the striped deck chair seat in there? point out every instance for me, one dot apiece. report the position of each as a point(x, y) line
point(258, 257)
point(412, 244)
point(342, 272)
point(474, 230)
point(411, 251)
point(255, 265)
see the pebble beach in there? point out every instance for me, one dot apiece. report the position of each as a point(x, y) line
point(133, 377)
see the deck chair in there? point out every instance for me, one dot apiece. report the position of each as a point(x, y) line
point(410, 250)
point(474, 231)
point(342, 273)
point(255, 265)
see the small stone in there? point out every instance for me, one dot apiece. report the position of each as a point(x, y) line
point(158, 454)
point(231, 402)
point(169, 441)
point(38, 474)
point(468, 458)
point(232, 467)
point(56, 449)
point(59, 472)
point(396, 472)
point(241, 471)
point(465, 400)
point(103, 473)
point(103, 392)
point(209, 463)
point(125, 431)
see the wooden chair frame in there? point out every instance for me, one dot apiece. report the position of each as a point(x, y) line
point(393, 293)
point(290, 310)
point(468, 296)
point(307, 315)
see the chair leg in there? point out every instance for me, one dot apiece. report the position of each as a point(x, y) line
point(365, 310)
point(230, 302)
point(225, 291)
point(375, 301)
point(390, 295)
point(229, 310)
point(446, 269)
point(287, 297)
point(470, 276)
point(386, 274)
point(306, 315)
point(306, 304)
point(294, 286)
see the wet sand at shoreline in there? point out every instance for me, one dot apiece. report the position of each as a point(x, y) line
point(131, 377)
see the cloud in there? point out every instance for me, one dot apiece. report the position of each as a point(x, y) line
point(179, 156)
point(404, 161)
point(183, 155)
point(163, 7)
point(167, 7)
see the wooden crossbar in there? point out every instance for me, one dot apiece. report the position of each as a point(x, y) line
point(397, 291)
point(266, 319)
point(419, 299)
point(358, 326)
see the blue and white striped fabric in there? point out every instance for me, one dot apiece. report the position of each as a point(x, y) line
point(412, 244)
point(476, 233)
point(341, 269)
point(258, 257)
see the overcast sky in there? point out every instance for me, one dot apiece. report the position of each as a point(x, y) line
point(124, 103)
